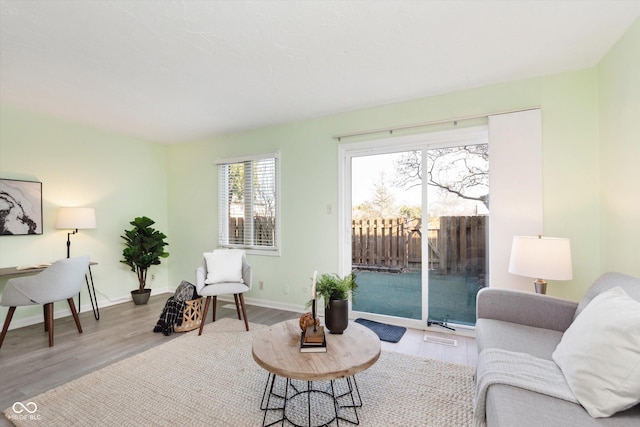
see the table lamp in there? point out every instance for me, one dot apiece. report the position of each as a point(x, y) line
point(75, 219)
point(541, 258)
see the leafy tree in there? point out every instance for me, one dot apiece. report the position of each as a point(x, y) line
point(381, 203)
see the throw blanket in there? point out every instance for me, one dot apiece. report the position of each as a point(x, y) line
point(174, 308)
point(496, 366)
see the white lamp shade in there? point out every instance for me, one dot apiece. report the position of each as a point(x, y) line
point(541, 258)
point(76, 218)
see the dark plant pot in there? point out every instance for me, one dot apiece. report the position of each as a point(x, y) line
point(141, 298)
point(336, 316)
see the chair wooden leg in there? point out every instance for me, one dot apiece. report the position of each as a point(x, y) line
point(45, 307)
point(244, 312)
point(5, 328)
point(215, 304)
point(235, 297)
point(72, 307)
point(49, 320)
point(204, 314)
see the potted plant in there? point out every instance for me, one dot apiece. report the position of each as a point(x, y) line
point(144, 247)
point(335, 292)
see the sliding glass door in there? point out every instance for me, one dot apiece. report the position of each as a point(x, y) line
point(386, 223)
point(457, 223)
point(417, 218)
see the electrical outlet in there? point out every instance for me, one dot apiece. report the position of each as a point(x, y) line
point(285, 289)
point(261, 285)
point(153, 277)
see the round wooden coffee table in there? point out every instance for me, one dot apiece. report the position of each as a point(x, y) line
point(277, 350)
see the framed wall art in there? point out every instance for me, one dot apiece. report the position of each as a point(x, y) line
point(20, 207)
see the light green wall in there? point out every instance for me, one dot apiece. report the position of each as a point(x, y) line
point(119, 176)
point(310, 178)
point(619, 83)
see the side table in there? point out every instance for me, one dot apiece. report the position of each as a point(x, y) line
point(277, 350)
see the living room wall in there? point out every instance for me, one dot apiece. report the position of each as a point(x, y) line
point(619, 106)
point(121, 177)
point(309, 161)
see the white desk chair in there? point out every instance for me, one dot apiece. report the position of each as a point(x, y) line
point(223, 272)
point(59, 282)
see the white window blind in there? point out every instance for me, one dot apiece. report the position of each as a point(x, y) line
point(248, 203)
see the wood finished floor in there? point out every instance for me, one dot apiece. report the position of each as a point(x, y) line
point(29, 367)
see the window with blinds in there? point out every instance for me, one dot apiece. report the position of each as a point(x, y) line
point(248, 203)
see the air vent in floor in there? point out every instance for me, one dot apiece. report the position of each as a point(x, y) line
point(441, 340)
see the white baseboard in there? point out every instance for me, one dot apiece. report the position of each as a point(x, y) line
point(296, 308)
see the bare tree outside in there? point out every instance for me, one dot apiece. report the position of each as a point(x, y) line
point(462, 171)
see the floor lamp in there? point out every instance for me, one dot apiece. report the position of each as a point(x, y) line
point(541, 258)
point(75, 219)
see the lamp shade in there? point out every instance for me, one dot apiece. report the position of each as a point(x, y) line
point(76, 218)
point(541, 257)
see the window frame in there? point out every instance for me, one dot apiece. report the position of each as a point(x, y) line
point(223, 211)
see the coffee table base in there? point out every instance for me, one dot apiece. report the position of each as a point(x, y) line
point(293, 400)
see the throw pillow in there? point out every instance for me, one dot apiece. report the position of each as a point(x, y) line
point(224, 266)
point(599, 354)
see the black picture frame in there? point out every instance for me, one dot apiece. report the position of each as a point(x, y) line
point(20, 207)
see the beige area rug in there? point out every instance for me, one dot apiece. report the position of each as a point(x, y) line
point(212, 380)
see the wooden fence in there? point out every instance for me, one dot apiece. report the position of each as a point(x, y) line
point(263, 230)
point(456, 244)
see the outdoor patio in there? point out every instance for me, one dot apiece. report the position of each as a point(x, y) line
point(451, 297)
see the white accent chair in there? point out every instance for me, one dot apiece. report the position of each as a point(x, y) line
point(210, 284)
point(62, 280)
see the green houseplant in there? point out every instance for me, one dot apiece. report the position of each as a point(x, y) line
point(335, 291)
point(144, 247)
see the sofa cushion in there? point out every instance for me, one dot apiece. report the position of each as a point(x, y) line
point(600, 354)
point(631, 286)
point(509, 406)
point(539, 342)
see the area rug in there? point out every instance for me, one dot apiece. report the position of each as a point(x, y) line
point(212, 380)
point(389, 333)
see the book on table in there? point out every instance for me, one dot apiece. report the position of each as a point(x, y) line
point(313, 341)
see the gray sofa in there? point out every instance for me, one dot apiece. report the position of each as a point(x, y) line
point(534, 324)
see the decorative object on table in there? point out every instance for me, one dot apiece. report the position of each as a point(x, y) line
point(144, 247)
point(385, 332)
point(335, 291)
point(541, 258)
point(75, 219)
point(312, 338)
point(21, 203)
point(306, 320)
point(61, 281)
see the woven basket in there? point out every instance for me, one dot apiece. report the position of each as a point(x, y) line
point(192, 317)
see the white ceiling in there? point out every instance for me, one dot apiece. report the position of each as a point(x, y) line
point(171, 71)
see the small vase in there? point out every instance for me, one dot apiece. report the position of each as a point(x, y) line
point(336, 316)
